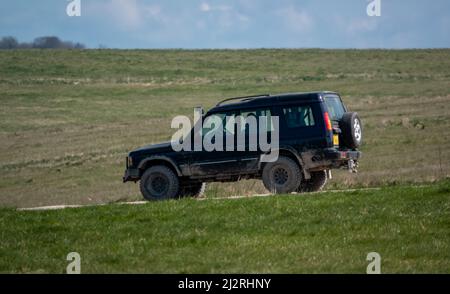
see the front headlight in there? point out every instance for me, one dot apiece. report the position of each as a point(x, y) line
point(129, 161)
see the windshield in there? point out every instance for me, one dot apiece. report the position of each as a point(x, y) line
point(335, 108)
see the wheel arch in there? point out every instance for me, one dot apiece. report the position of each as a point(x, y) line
point(289, 152)
point(159, 160)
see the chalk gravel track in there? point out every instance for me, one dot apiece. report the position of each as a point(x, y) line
point(56, 207)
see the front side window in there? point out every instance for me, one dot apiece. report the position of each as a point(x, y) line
point(219, 120)
point(298, 116)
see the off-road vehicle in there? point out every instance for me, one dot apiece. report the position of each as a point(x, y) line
point(316, 134)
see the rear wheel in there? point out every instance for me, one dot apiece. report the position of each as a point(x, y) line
point(282, 176)
point(159, 183)
point(316, 183)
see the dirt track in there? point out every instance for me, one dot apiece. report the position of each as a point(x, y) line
point(55, 207)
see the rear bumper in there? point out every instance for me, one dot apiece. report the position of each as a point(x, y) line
point(131, 174)
point(330, 158)
point(338, 155)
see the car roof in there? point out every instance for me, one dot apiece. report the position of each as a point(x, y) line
point(266, 100)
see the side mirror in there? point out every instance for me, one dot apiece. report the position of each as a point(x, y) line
point(200, 109)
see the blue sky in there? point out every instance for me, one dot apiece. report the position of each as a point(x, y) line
point(232, 23)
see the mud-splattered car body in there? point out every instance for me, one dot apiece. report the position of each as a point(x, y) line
point(316, 132)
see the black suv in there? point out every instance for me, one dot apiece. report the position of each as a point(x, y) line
point(316, 134)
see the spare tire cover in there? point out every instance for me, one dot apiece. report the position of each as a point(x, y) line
point(351, 128)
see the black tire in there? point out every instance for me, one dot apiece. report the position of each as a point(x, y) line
point(351, 128)
point(192, 189)
point(282, 176)
point(316, 183)
point(159, 183)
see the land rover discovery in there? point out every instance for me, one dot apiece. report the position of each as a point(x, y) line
point(316, 134)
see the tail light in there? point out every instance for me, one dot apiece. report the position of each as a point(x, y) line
point(327, 121)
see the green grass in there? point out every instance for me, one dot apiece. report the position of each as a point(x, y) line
point(68, 117)
point(319, 233)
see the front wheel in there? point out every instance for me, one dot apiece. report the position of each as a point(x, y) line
point(281, 176)
point(159, 183)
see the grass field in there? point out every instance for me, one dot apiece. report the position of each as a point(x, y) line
point(319, 233)
point(68, 118)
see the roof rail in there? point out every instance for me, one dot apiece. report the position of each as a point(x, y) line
point(243, 98)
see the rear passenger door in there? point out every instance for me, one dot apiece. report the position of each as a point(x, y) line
point(250, 157)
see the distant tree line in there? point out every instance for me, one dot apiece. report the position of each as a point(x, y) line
point(47, 42)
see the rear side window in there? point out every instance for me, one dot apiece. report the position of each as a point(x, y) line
point(334, 105)
point(257, 113)
point(298, 116)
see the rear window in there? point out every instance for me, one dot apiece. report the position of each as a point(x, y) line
point(335, 108)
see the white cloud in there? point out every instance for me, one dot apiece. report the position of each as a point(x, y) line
point(366, 24)
point(250, 4)
point(224, 16)
point(128, 14)
point(223, 8)
point(242, 17)
point(205, 7)
point(296, 20)
point(153, 10)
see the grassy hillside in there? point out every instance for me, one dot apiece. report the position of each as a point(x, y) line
point(321, 233)
point(68, 118)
